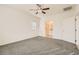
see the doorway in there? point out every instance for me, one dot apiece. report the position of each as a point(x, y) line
point(48, 28)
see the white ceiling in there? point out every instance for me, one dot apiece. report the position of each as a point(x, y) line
point(54, 8)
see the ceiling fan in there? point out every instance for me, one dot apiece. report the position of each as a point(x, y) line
point(43, 10)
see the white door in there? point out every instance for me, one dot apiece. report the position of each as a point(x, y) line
point(69, 30)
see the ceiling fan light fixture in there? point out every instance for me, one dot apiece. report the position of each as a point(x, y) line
point(40, 9)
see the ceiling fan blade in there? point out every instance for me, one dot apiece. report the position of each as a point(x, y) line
point(43, 12)
point(38, 5)
point(45, 8)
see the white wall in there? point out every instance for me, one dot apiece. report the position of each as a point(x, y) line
point(56, 27)
point(16, 25)
point(77, 25)
point(69, 29)
point(63, 26)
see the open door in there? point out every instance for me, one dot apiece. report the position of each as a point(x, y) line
point(49, 28)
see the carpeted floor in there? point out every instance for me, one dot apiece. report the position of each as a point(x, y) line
point(39, 46)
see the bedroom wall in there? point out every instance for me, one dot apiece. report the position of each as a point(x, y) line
point(77, 35)
point(56, 27)
point(16, 25)
point(69, 29)
point(77, 25)
point(63, 26)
